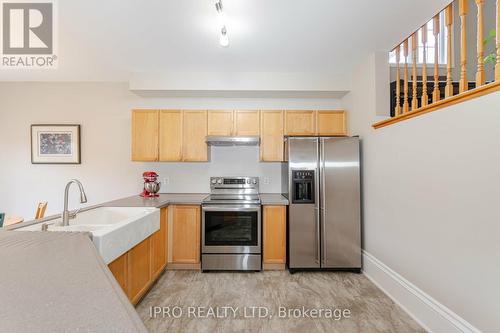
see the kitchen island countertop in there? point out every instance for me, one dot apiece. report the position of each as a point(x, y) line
point(57, 281)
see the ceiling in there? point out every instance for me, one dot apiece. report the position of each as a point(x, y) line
point(109, 40)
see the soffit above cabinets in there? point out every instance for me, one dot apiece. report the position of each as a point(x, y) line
point(242, 84)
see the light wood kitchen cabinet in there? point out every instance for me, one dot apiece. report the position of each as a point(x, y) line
point(170, 135)
point(220, 122)
point(194, 132)
point(145, 135)
point(175, 135)
point(246, 122)
point(186, 234)
point(119, 268)
point(274, 235)
point(139, 270)
point(271, 135)
point(331, 122)
point(159, 246)
point(300, 122)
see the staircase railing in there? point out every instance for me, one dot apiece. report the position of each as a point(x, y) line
point(422, 99)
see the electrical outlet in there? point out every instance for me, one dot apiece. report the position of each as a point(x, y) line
point(166, 180)
point(267, 181)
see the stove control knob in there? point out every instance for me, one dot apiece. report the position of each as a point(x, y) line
point(248, 181)
point(219, 180)
point(254, 181)
point(214, 181)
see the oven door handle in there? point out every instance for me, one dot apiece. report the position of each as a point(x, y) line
point(221, 208)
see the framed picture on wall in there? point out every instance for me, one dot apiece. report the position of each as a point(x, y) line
point(55, 144)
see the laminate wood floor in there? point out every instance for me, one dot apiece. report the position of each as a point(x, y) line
point(236, 297)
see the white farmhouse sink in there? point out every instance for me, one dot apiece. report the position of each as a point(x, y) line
point(115, 230)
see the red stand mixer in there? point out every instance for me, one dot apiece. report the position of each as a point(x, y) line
point(151, 185)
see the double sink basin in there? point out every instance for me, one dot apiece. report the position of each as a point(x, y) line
point(115, 230)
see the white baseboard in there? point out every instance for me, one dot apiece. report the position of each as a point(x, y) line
point(428, 312)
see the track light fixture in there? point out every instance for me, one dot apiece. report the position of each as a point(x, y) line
point(223, 39)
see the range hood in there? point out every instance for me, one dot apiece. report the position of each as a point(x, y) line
point(215, 140)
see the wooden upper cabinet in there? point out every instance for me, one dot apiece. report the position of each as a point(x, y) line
point(220, 122)
point(170, 135)
point(274, 234)
point(301, 122)
point(145, 135)
point(271, 134)
point(194, 134)
point(186, 234)
point(246, 122)
point(332, 122)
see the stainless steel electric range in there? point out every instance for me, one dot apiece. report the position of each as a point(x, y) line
point(231, 225)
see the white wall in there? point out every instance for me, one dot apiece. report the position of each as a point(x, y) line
point(103, 110)
point(431, 191)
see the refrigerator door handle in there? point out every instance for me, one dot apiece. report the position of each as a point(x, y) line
point(322, 200)
point(317, 230)
point(323, 231)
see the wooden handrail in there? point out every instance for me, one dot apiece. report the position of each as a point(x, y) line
point(425, 96)
point(414, 100)
point(468, 95)
point(480, 75)
point(464, 84)
point(449, 24)
point(436, 93)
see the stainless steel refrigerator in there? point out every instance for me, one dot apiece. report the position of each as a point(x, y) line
point(321, 178)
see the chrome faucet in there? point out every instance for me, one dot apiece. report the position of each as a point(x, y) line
point(83, 199)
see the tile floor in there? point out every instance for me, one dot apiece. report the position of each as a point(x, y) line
point(196, 294)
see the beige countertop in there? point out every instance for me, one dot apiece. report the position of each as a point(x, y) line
point(274, 199)
point(57, 282)
point(164, 199)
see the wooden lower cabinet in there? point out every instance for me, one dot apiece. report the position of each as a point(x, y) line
point(186, 234)
point(274, 236)
point(120, 271)
point(159, 247)
point(137, 269)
